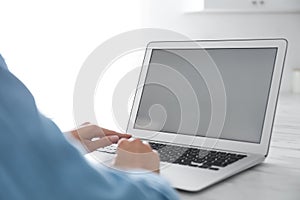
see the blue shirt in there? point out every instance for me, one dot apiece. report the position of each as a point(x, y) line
point(36, 161)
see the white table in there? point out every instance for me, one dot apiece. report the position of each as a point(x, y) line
point(279, 176)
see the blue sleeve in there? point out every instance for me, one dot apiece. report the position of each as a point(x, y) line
point(2, 63)
point(38, 163)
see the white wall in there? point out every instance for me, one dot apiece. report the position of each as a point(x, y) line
point(170, 14)
point(46, 42)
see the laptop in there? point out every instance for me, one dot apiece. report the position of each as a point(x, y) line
point(207, 107)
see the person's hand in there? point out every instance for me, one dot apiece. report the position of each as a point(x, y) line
point(93, 137)
point(135, 154)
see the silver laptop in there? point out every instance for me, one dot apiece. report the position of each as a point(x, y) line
point(207, 107)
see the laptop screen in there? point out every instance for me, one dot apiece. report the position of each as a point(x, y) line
point(177, 92)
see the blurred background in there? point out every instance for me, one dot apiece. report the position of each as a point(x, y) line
point(46, 42)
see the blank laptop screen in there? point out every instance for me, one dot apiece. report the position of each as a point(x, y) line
point(182, 84)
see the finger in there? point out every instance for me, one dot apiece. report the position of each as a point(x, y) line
point(90, 131)
point(147, 145)
point(124, 135)
point(121, 135)
point(102, 142)
point(94, 131)
point(123, 143)
point(85, 123)
point(138, 146)
point(137, 141)
point(156, 153)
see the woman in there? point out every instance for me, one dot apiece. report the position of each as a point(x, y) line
point(37, 162)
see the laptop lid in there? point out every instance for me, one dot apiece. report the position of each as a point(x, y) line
point(211, 94)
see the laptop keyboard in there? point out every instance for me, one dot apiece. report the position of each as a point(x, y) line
point(195, 157)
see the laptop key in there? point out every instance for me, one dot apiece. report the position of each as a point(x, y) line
point(214, 168)
point(204, 166)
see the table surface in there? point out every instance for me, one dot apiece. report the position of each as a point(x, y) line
point(278, 177)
